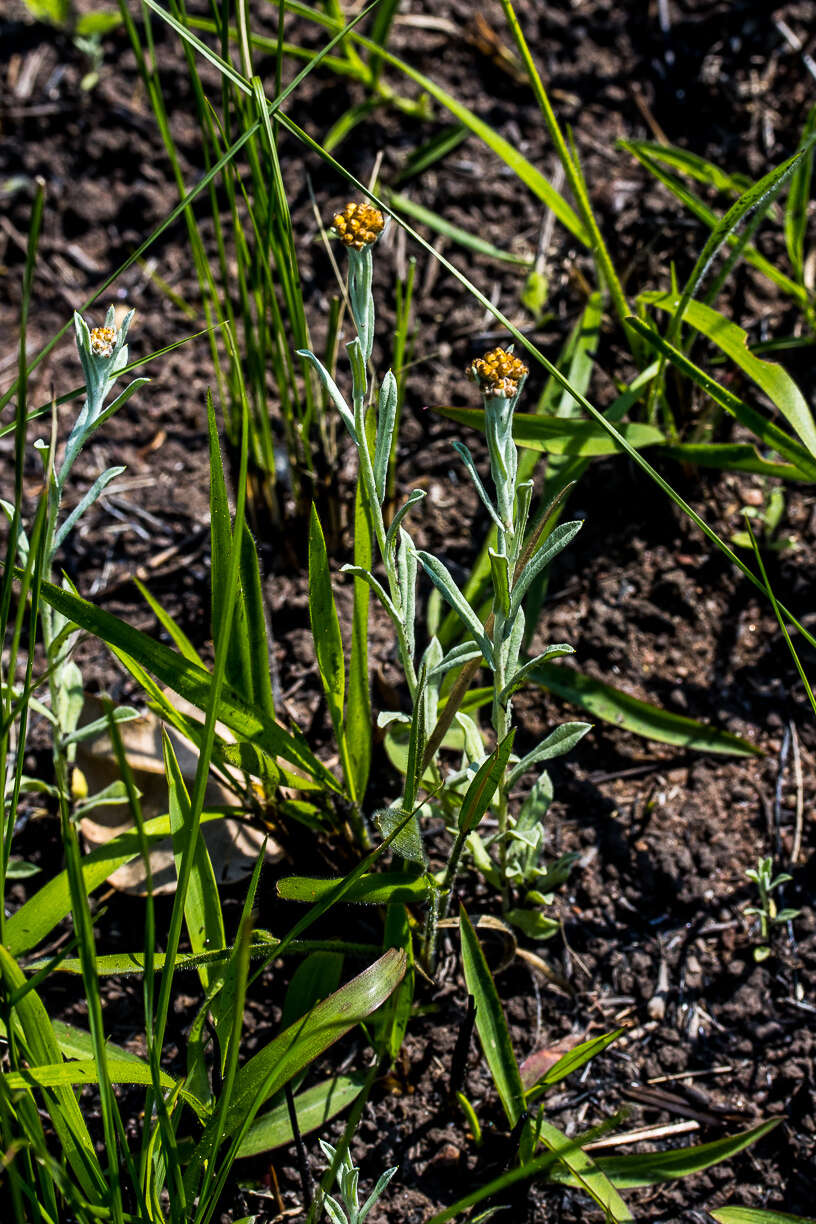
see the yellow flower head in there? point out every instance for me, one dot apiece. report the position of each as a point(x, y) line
point(498, 373)
point(358, 225)
point(102, 341)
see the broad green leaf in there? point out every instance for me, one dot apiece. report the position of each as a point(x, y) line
point(491, 1024)
point(558, 435)
point(585, 1172)
point(298, 1046)
point(190, 681)
point(314, 1108)
point(630, 713)
point(756, 1215)
point(733, 341)
point(628, 1172)
point(378, 888)
point(732, 457)
point(315, 977)
point(40, 914)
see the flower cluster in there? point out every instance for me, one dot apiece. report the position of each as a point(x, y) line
point(358, 225)
point(498, 373)
point(102, 341)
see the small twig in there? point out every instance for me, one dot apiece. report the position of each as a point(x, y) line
point(796, 848)
point(641, 1135)
point(460, 1050)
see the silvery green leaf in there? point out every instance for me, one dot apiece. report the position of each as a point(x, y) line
point(500, 569)
point(359, 384)
point(382, 1182)
point(386, 419)
point(515, 640)
point(556, 651)
point(474, 744)
point(557, 540)
point(414, 498)
point(334, 392)
point(483, 861)
point(70, 696)
point(96, 489)
point(334, 1211)
point(376, 587)
point(114, 794)
point(457, 656)
point(360, 297)
point(440, 577)
point(406, 576)
point(524, 496)
point(408, 841)
point(386, 717)
point(559, 741)
point(100, 725)
point(466, 457)
point(432, 656)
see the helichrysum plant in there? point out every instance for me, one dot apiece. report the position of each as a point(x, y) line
point(485, 779)
point(351, 1211)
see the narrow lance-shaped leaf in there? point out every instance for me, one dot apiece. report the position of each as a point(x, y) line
point(442, 580)
point(386, 419)
point(585, 1172)
point(650, 1168)
point(555, 542)
point(641, 717)
point(559, 741)
point(479, 794)
point(490, 1023)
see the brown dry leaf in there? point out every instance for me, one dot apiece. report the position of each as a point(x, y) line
point(233, 845)
point(540, 1061)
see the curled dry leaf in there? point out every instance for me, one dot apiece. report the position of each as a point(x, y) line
point(233, 845)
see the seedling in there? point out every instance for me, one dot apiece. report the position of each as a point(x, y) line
point(766, 911)
point(351, 1212)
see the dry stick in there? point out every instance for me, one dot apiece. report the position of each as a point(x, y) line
point(796, 849)
point(468, 672)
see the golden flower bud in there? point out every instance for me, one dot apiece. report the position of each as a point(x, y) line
point(358, 225)
point(498, 373)
point(102, 341)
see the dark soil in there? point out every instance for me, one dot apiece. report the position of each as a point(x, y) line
point(654, 935)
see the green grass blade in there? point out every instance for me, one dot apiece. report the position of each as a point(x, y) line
point(557, 435)
point(190, 681)
point(732, 340)
point(328, 642)
point(358, 715)
point(765, 430)
point(796, 206)
point(649, 1169)
point(202, 910)
point(585, 1172)
point(755, 1215)
point(471, 242)
point(491, 1024)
